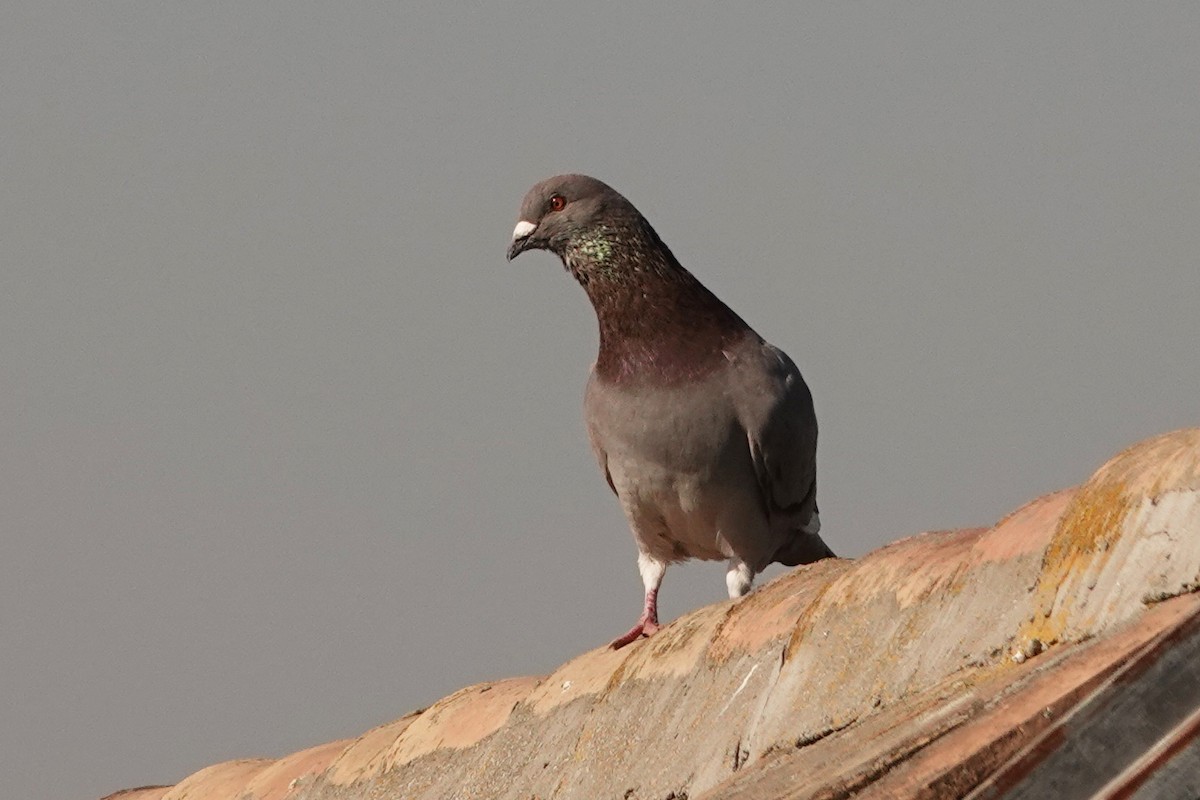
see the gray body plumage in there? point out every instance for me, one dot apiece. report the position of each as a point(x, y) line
point(705, 432)
point(724, 468)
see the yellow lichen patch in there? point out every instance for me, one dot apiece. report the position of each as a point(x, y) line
point(1084, 537)
point(1026, 531)
point(1095, 520)
point(219, 781)
point(366, 756)
point(460, 720)
point(1091, 523)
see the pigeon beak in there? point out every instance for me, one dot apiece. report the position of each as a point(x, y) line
point(520, 238)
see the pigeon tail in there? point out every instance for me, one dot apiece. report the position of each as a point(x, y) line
point(803, 548)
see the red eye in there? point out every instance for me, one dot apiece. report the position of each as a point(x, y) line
point(557, 202)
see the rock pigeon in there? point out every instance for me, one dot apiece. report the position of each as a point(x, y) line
point(705, 432)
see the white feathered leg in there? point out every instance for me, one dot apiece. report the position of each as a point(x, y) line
point(652, 571)
point(738, 578)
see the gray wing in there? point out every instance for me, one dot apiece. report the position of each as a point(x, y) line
point(776, 408)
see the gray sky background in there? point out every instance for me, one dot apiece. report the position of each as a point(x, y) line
point(287, 449)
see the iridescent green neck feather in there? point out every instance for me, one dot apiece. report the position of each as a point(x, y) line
point(658, 324)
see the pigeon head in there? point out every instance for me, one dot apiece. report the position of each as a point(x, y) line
point(657, 322)
point(580, 219)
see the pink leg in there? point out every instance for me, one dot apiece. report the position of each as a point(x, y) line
point(647, 624)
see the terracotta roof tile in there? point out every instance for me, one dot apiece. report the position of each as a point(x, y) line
point(928, 668)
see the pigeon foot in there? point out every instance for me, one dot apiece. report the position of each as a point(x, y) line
point(644, 627)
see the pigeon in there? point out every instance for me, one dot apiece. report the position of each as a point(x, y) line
point(704, 431)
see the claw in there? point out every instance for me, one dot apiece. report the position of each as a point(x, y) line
point(644, 627)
